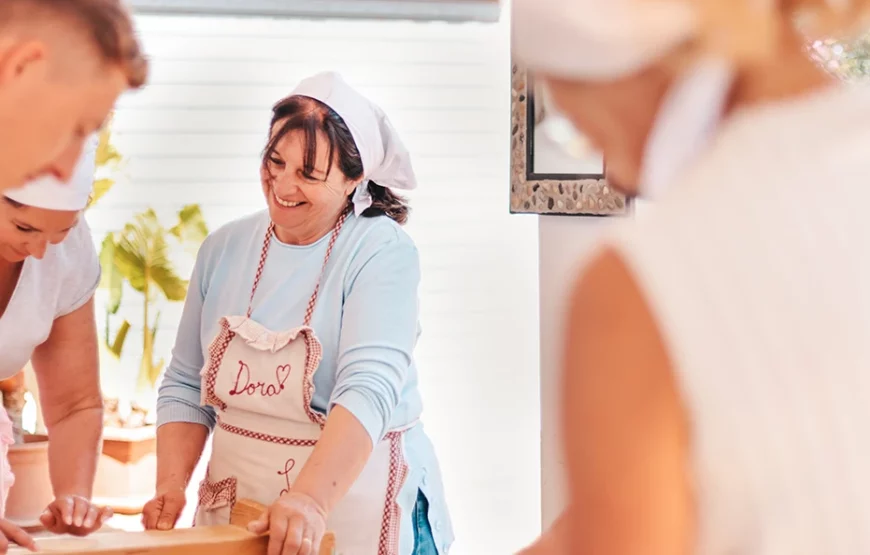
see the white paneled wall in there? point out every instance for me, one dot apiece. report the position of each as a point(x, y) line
point(195, 133)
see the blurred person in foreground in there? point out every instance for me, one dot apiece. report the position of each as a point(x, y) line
point(715, 371)
point(63, 64)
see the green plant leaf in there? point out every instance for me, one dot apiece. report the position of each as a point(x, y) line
point(156, 369)
point(111, 277)
point(142, 254)
point(191, 227)
point(101, 187)
point(149, 371)
point(173, 287)
point(117, 346)
point(106, 152)
point(132, 251)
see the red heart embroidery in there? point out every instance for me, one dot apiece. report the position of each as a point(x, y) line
point(282, 373)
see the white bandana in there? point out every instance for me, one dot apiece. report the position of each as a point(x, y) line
point(52, 194)
point(385, 159)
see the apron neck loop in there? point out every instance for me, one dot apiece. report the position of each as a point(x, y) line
point(309, 311)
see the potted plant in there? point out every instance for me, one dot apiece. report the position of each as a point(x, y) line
point(139, 258)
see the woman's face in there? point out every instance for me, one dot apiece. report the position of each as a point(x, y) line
point(27, 230)
point(303, 208)
point(617, 117)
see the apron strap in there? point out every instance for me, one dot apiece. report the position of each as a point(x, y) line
point(309, 311)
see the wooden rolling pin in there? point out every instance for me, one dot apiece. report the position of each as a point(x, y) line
point(232, 539)
point(245, 511)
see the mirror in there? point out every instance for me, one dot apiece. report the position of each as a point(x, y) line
point(554, 169)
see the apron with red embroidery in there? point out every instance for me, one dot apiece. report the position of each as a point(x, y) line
point(261, 385)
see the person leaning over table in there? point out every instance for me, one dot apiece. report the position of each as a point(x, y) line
point(297, 336)
point(49, 270)
point(715, 379)
point(63, 64)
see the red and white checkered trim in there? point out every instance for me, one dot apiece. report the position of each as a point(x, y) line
point(214, 495)
point(266, 437)
point(216, 352)
point(388, 543)
point(309, 312)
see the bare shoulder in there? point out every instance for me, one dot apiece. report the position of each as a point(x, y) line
point(626, 435)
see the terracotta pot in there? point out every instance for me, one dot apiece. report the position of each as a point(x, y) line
point(127, 470)
point(31, 492)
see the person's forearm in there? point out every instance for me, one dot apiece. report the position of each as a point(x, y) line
point(341, 454)
point(179, 447)
point(74, 444)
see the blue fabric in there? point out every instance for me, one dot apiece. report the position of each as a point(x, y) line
point(424, 540)
point(366, 318)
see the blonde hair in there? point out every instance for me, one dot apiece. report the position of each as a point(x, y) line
point(750, 31)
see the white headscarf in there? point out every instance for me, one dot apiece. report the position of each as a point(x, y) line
point(594, 40)
point(385, 159)
point(52, 194)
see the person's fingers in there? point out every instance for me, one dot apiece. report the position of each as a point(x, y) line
point(151, 512)
point(65, 506)
point(316, 540)
point(295, 533)
point(17, 535)
point(53, 520)
point(93, 521)
point(277, 533)
point(90, 518)
point(81, 506)
point(105, 514)
point(4, 544)
point(261, 525)
point(306, 547)
point(48, 520)
point(172, 506)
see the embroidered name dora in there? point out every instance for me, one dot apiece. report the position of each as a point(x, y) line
point(244, 386)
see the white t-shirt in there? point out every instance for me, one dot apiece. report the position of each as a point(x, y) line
point(58, 284)
point(757, 269)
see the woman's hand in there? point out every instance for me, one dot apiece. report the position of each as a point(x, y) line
point(162, 512)
point(296, 524)
point(11, 533)
point(75, 515)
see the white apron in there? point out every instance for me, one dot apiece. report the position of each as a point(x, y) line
point(261, 385)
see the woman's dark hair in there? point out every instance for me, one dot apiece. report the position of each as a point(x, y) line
point(301, 113)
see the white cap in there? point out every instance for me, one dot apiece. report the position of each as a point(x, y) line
point(385, 159)
point(52, 194)
point(598, 39)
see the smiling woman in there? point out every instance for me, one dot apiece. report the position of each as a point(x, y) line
point(296, 347)
point(306, 135)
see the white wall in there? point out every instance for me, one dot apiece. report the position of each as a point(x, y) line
point(195, 133)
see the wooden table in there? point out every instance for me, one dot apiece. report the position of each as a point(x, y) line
point(232, 539)
point(204, 540)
